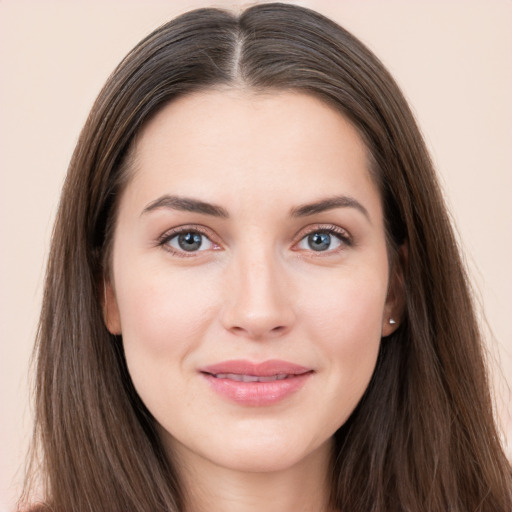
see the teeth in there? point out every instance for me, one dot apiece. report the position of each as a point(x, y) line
point(251, 378)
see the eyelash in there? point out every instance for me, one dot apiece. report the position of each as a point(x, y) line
point(330, 229)
point(164, 240)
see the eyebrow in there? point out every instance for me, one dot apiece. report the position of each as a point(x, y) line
point(329, 203)
point(186, 204)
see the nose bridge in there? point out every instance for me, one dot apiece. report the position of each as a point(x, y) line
point(259, 302)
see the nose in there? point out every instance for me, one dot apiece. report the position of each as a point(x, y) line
point(259, 298)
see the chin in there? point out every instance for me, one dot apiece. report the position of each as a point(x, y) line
point(261, 460)
point(255, 450)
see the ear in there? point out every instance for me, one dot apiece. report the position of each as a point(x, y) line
point(111, 315)
point(395, 301)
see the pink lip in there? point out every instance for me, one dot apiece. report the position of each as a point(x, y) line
point(256, 393)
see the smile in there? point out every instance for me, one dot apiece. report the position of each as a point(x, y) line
point(256, 384)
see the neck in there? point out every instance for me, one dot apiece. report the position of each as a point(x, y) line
point(304, 487)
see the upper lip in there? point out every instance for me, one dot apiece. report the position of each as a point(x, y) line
point(263, 369)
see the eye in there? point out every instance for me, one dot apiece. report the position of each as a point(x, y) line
point(187, 241)
point(324, 240)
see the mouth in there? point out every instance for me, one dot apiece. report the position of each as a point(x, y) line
point(276, 369)
point(251, 378)
point(256, 384)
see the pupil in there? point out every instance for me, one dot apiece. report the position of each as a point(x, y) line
point(190, 241)
point(319, 241)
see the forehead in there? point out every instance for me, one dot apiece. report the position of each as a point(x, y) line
point(236, 142)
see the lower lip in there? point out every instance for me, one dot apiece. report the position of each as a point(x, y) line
point(257, 394)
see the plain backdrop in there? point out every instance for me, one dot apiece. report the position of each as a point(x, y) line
point(453, 60)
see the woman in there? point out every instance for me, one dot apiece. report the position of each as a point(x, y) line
point(254, 298)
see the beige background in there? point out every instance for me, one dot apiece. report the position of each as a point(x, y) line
point(453, 60)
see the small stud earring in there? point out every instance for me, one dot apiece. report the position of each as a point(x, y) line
point(392, 321)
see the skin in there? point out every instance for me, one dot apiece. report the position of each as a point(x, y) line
point(256, 290)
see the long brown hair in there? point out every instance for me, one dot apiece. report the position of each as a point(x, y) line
point(422, 437)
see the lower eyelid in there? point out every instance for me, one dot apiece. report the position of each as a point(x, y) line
point(340, 243)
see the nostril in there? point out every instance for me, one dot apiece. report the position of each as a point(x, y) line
point(258, 333)
point(237, 329)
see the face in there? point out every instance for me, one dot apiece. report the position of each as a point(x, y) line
point(249, 276)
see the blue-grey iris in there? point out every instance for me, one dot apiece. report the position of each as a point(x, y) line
point(319, 241)
point(190, 241)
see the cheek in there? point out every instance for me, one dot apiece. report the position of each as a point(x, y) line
point(346, 322)
point(164, 317)
point(348, 312)
point(164, 313)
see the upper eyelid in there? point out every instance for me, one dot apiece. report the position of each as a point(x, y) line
point(331, 228)
point(170, 233)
